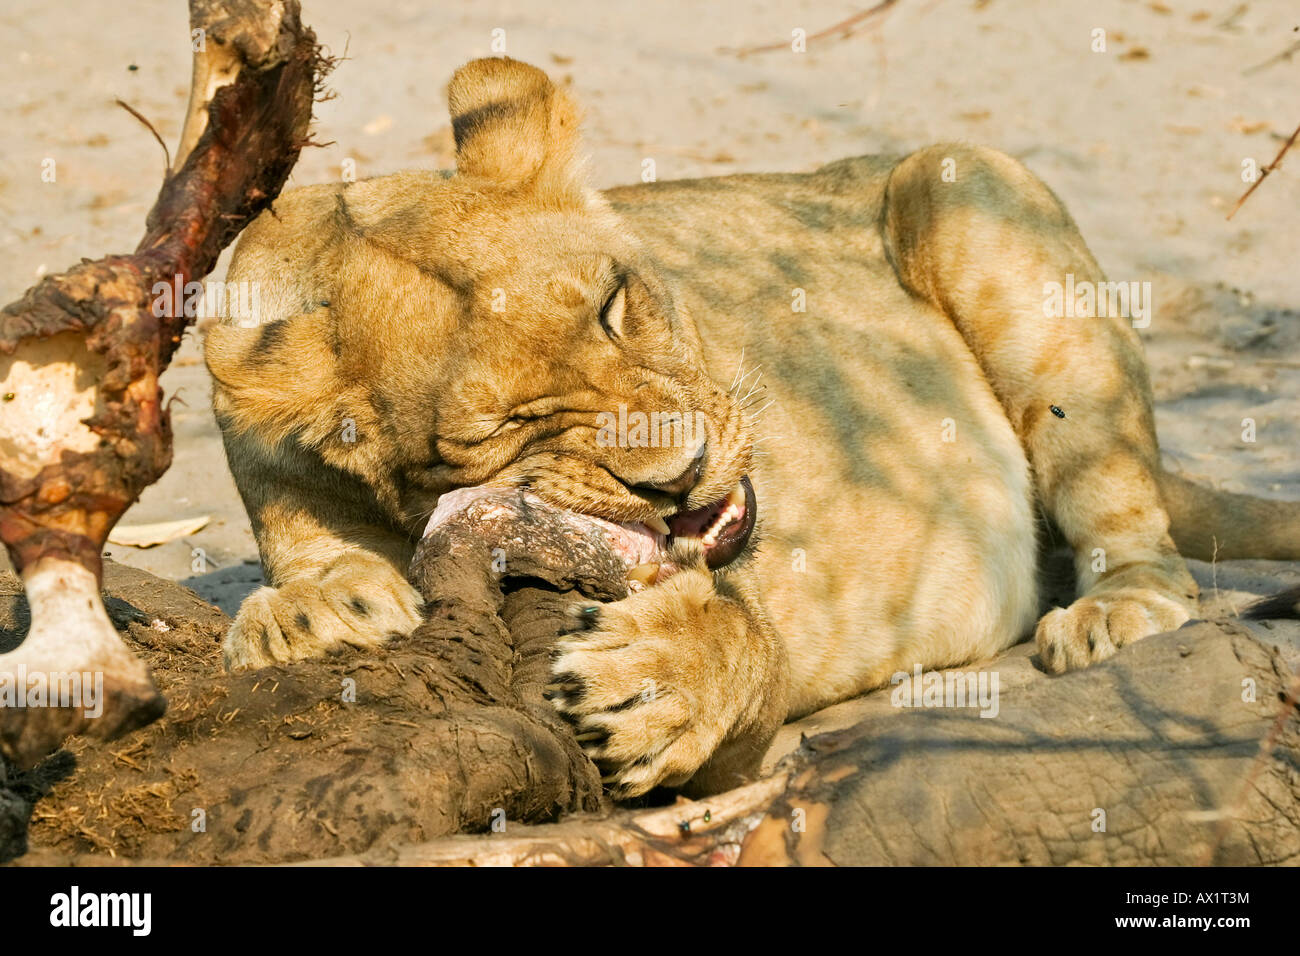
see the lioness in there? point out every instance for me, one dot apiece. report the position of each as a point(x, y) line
point(881, 395)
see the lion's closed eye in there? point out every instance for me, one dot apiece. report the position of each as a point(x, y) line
point(612, 312)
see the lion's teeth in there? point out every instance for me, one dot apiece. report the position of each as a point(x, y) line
point(658, 525)
point(737, 496)
point(644, 573)
point(729, 514)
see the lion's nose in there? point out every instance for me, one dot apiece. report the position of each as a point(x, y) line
point(683, 483)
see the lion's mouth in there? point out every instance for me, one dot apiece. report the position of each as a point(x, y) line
point(722, 529)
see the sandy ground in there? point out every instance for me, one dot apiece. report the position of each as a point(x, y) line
point(1144, 141)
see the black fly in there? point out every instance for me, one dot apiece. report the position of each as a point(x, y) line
point(1057, 411)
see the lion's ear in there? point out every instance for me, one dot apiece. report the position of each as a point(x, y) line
point(514, 126)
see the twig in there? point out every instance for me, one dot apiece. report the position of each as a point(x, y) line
point(1282, 57)
point(1289, 700)
point(1263, 174)
point(1214, 568)
point(845, 29)
point(167, 153)
point(1230, 21)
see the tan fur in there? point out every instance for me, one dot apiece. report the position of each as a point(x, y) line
point(450, 326)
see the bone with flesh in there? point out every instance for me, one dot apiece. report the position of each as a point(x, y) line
point(642, 550)
point(83, 429)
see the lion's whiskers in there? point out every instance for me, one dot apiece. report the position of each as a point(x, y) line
point(752, 388)
point(757, 416)
point(740, 380)
point(735, 379)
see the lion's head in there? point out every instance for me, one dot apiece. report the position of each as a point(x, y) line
point(497, 326)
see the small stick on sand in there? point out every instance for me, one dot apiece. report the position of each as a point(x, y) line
point(1277, 161)
point(845, 29)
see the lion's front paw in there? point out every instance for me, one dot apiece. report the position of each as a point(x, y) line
point(1095, 626)
point(352, 602)
point(653, 682)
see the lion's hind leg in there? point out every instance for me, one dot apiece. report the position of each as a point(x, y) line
point(976, 234)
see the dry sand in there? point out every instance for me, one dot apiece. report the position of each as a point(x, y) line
point(1144, 142)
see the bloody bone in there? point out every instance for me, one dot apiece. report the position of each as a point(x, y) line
point(82, 425)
